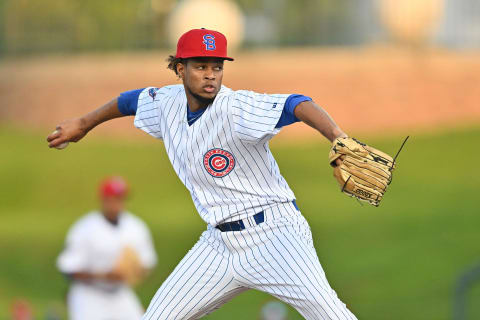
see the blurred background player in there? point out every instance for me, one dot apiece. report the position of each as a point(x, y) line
point(106, 253)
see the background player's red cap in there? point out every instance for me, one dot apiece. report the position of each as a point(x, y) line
point(113, 186)
point(202, 43)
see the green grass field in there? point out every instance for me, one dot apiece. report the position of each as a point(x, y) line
point(398, 261)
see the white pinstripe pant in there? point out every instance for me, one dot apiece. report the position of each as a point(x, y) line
point(276, 256)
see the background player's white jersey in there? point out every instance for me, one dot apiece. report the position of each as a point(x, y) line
point(223, 158)
point(94, 245)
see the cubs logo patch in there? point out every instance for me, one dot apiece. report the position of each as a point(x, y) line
point(218, 162)
point(209, 41)
point(152, 92)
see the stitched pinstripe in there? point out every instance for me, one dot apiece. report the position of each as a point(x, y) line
point(304, 269)
point(315, 286)
point(289, 298)
point(216, 285)
point(187, 290)
point(155, 303)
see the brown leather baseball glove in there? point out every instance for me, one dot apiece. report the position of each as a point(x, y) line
point(129, 267)
point(364, 172)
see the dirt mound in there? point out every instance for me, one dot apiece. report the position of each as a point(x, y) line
point(364, 90)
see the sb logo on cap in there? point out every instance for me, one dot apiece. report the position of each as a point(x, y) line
point(209, 41)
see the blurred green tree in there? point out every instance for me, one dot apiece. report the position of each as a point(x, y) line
point(79, 25)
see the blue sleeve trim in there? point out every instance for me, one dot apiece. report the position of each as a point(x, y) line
point(128, 102)
point(288, 115)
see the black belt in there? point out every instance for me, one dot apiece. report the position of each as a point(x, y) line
point(239, 225)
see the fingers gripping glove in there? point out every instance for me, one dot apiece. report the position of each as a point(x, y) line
point(364, 172)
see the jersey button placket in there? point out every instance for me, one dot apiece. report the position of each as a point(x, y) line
point(190, 157)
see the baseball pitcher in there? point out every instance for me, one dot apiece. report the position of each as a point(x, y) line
point(217, 140)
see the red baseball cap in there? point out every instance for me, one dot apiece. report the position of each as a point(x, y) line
point(113, 186)
point(202, 43)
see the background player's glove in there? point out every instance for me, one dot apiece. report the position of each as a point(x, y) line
point(129, 267)
point(364, 172)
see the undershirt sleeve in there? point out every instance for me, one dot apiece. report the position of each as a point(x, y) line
point(128, 102)
point(288, 116)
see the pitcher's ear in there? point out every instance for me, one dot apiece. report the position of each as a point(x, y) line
point(181, 70)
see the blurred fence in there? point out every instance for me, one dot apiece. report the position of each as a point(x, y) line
point(31, 26)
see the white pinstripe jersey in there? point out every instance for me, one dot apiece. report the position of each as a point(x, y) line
point(223, 158)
